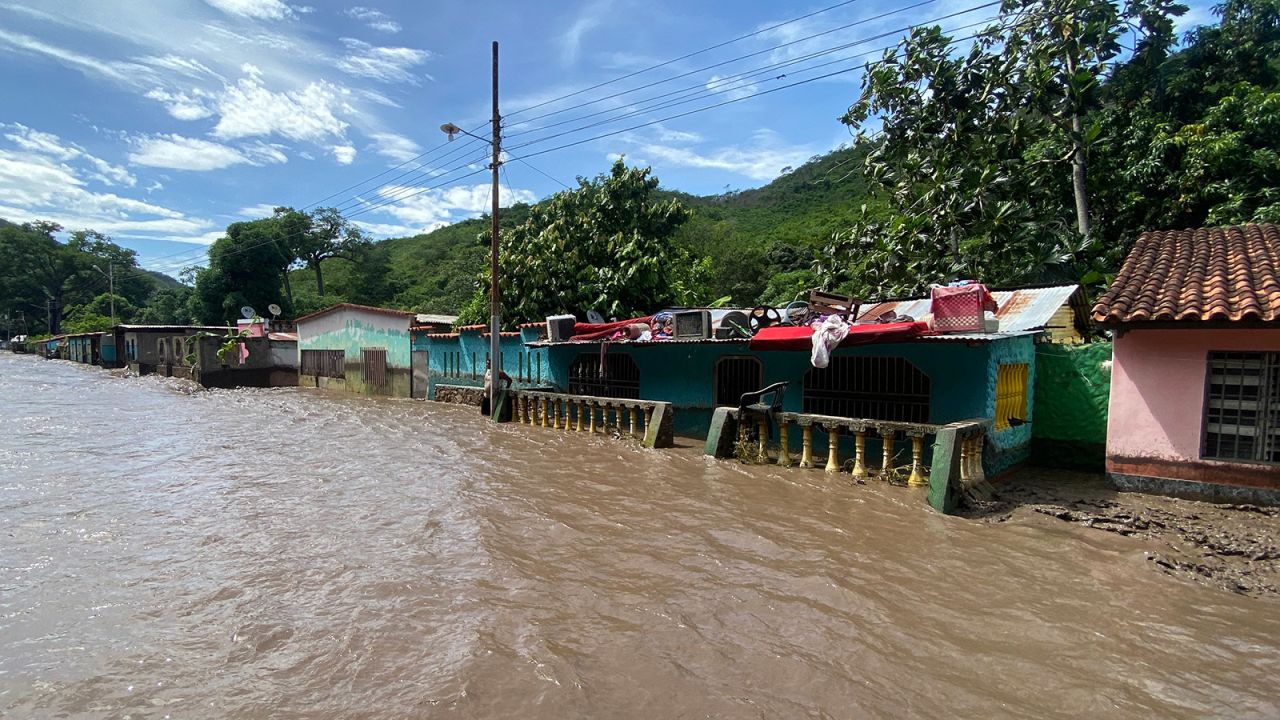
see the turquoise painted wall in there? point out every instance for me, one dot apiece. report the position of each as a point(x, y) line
point(351, 334)
point(684, 375)
point(1011, 445)
point(460, 360)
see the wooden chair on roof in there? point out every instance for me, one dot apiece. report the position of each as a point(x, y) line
point(825, 303)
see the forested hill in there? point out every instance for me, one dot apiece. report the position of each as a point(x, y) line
point(774, 228)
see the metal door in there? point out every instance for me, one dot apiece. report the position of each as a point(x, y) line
point(418, 360)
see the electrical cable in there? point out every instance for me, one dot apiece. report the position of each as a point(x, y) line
point(723, 91)
point(698, 89)
point(682, 57)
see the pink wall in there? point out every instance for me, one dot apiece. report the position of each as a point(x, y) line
point(1157, 399)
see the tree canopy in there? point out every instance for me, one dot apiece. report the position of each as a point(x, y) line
point(604, 246)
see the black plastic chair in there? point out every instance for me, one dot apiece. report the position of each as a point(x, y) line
point(753, 402)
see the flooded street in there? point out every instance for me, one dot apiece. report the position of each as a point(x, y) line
point(292, 554)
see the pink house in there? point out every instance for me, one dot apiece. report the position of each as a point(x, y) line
point(1195, 385)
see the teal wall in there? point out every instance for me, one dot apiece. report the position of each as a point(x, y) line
point(1012, 445)
point(962, 378)
point(350, 334)
point(460, 360)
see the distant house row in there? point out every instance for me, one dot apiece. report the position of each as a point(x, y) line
point(1187, 400)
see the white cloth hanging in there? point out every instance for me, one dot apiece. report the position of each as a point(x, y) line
point(826, 336)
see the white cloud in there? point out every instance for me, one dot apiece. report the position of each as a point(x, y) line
point(36, 185)
point(183, 106)
point(84, 63)
point(183, 153)
point(731, 89)
point(188, 67)
point(344, 154)
point(428, 210)
point(50, 145)
point(248, 108)
point(256, 9)
point(396, 147)
point(571, 41)
point(384, 64)
point(375, 19)
point(260, 210)
point(761, 161)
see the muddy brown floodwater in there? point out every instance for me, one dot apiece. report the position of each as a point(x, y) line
point(289, 554)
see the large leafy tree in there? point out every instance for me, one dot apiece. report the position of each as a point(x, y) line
point(604, 246)
point(983, 156)
point(322, 234)
point(246, 267)
point(40, 275)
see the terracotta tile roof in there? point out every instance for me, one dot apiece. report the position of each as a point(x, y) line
point(1225, 273)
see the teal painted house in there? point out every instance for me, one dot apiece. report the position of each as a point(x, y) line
point(935, 379)
point(365, 350)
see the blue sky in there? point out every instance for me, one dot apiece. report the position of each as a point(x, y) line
point(159, 122)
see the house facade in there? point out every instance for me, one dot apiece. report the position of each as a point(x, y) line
point(1195, 388)
point(933, 378)
point(356, 348)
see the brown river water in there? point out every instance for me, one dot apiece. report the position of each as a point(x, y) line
point(166, 553)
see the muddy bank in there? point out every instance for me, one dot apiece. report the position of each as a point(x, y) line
point(1232, 547)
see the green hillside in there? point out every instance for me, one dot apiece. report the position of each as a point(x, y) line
point(778, 226)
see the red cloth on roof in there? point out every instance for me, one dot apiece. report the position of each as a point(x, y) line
point(786, 337)
point(599, 331)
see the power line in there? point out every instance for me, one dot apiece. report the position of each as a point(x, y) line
point(702, 109)
point(856, 23)
point(688, 98)
point(702, 89)
point(531, 166)
point(682, 57)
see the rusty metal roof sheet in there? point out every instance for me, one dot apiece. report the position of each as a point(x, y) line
point(1019, 310)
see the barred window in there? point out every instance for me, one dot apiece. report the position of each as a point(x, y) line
point(736, 376)
point(323, 363)
point(1011, 394)
point(875, 388)
point(614, 375)
point(373, 362)
point(1242, 407)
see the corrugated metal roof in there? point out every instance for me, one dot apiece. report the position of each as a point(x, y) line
point(1019, 310)
point(976, 337)
point(437, 319)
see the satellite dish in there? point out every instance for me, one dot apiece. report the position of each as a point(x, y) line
point(248, 312)
point(274, 309)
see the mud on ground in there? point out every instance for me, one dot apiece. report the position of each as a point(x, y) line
point(1232, 547)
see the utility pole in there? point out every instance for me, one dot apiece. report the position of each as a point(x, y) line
point(495, 309)
point(111, 284)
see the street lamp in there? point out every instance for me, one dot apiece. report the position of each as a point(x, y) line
point(495, 311)
point(111, 283)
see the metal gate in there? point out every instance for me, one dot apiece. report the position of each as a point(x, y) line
point(418, 359)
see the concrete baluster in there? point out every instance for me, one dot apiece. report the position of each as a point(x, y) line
point(806, 445)
point(762, 427)
point(860, 454)
point(965, 460)
point(978, 474)
point(784, 442)
point(917, 478)
point(591, 413)
point(633, 419)
point(833, 448)
point(886, 464)
point(648, 417)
